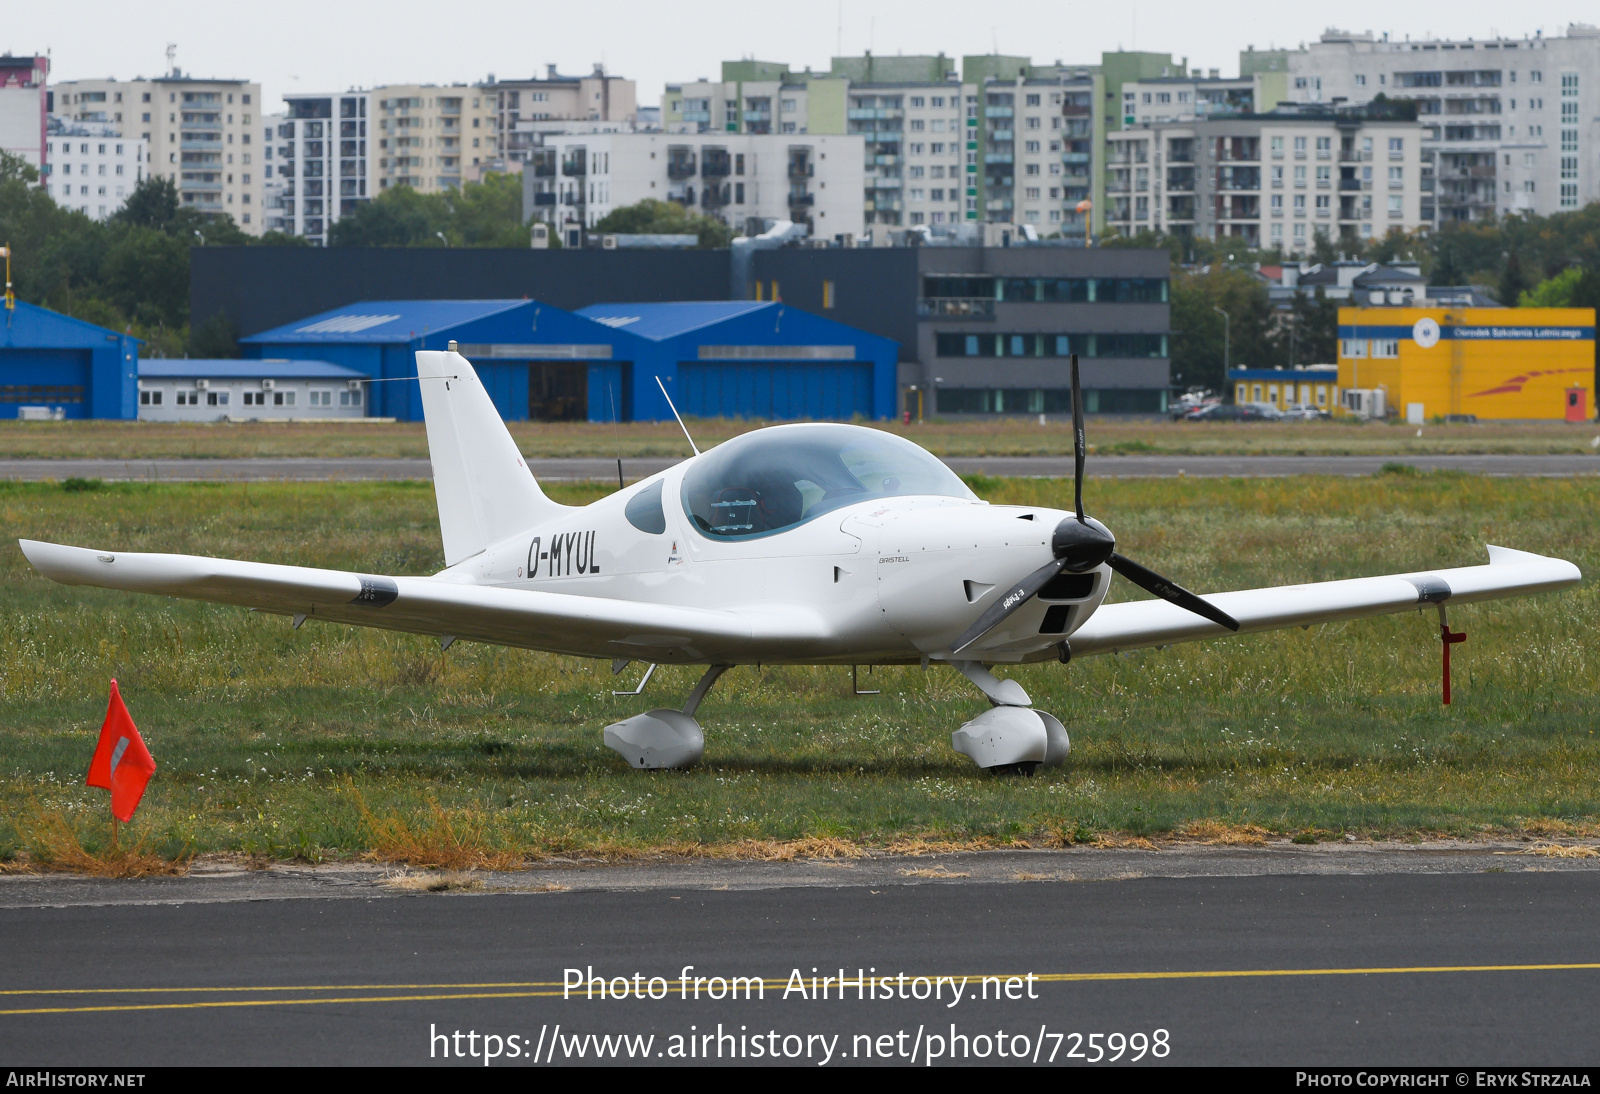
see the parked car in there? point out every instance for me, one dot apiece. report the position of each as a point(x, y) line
point(1305, 412)
point(1269, 411)
point(1227, 412)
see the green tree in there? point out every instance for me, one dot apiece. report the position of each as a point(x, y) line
point(398, 217)
point(1197, 346)
point(1513, 282)
point(1555, 292)
point(146, 275)
point(488, 213)
point(216, 337)
point(652, 217)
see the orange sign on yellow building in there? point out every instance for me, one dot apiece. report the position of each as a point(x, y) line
point(1522, 363)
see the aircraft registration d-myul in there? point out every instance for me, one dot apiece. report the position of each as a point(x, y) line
point(810, 544)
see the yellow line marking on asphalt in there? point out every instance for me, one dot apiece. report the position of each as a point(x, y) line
point(1042, 978)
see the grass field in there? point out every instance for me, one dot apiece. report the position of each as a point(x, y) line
point(996, 437)
point(332, 741)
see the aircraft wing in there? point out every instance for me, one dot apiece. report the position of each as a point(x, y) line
point(1129, 626)
point(588, 626)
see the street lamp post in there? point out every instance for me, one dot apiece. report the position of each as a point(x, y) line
point(1225, 325)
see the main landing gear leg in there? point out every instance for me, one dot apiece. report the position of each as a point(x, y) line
point(664, 738)
point(1010, 738)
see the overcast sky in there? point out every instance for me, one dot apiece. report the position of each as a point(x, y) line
point(297, 45)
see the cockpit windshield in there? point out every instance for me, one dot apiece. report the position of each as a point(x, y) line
point(773, 479)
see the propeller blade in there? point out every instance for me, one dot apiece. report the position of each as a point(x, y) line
point(1015, 597)
point(1152, 582)
point(1078, 447)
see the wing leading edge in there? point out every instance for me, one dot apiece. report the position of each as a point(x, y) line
point(556, 622)
point(1144, 623)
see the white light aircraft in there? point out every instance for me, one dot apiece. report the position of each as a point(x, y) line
point(809, 544)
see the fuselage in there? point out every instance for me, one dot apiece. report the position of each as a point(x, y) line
point(885, 580)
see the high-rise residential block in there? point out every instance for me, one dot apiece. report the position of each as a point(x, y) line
point(518, 106)
point(575, 179)
point(318, 162)
point(202, 134)
point(24, 106)
point(430, 136)
point(91, 167)
point(1509, 122)
point(1279, 179)
point(994, 139)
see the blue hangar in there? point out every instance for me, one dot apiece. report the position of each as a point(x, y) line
point(53, 365)
point(736, 359)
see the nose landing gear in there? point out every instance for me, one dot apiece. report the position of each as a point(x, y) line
point(1010, 737)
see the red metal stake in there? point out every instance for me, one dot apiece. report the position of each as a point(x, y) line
point(1448, 638)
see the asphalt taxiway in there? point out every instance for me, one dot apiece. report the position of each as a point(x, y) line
point(359, 469)
point(1332, 955)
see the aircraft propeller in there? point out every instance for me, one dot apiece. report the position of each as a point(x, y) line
point(1080, 543)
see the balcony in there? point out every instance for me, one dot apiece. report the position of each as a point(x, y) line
point(1349, 184)
point(713, 196)
point(1002, 136)
point(1075, 157)
point(715, 163)
point(801, 201)
point(884, 182)
point(680, 165)
point(575, 166)
point(956, 307)
point(802, 169)
point(546, 198)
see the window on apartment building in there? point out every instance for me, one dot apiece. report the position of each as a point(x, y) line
point(1397, 177)
point(1163, 96)
point(1030, 169)
point(1299, 176)
point(1277, 205)
point(1361, 80)
point(916, 102)
point(1397, 147)
point(1031, 146)
point(1299, 147)
point(1146, 98)
point(917, 125)
point(938, 101)
point(1032, 100)
point(1299, 205)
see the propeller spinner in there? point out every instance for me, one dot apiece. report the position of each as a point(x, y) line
point(1080, 544)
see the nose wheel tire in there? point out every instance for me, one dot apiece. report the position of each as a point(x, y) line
point(1019, 739)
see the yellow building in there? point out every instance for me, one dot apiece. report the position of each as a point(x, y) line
point(1522, 363)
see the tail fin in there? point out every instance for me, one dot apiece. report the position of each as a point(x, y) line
point(485, 491)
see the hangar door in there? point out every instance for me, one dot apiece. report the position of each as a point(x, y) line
point(540, 391)
point(777, 390)
point(44, 377)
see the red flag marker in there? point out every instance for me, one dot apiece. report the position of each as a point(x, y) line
point(121, 763)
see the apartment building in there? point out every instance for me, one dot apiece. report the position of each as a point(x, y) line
point(201, 134)
point(318, 163)
point(575, 180)
point(1511, 123)
point(1279, 179)
point(994, 139)
point(91, 167)
point(24, 105)
point(517, 105)
point(429, 137)
point(273, 218)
